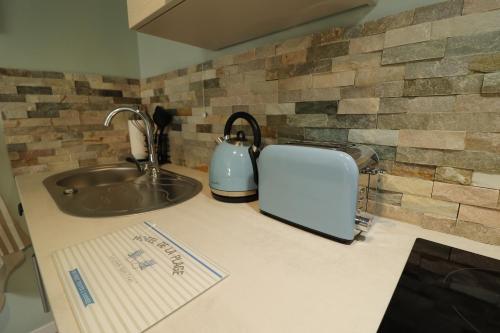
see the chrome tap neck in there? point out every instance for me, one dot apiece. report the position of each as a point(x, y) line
point(152, 167)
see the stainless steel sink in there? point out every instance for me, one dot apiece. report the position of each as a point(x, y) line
point(119, 189)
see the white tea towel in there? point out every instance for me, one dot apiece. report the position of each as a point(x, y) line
point(128, 280)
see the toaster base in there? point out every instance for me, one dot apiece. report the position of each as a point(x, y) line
point(235, 199)
point(313, 231)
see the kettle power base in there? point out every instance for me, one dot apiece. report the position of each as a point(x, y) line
point(234, 199)
point(310, 230)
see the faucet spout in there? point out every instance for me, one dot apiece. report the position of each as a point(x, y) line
point(153, 167)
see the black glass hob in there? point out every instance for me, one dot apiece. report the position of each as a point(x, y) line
point(444, 289)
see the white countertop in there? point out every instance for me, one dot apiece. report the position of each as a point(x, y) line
point(282, 279)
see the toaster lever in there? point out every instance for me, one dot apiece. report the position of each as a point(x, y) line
point(372, 171)
point(362, 223)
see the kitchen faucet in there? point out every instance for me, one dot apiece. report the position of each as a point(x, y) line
point(151, 166)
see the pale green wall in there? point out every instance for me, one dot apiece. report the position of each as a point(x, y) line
point(157, 55)
point(89, 36)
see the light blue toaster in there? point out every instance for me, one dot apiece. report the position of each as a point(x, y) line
point(314, 186)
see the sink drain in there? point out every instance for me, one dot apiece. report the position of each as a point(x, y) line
point(70, 191)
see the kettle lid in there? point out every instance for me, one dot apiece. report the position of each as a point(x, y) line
point(239, 140)
point(241, 136)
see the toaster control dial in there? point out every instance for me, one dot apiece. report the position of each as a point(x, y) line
point(362, 223)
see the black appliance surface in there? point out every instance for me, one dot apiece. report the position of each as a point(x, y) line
point(444, 289)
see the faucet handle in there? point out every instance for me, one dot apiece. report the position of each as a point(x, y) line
point(140, 165)
point(143, 166)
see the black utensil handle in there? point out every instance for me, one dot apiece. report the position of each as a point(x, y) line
point(250, 119)
point(159, 147)
point(162, 148)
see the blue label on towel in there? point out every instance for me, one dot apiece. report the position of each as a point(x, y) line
point(81, 287)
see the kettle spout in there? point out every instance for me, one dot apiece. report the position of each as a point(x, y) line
point(219, 140)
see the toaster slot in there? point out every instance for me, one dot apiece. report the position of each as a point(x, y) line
point(365, 157)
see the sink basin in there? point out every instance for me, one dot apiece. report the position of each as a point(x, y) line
point(99, 177)
point(118, 189)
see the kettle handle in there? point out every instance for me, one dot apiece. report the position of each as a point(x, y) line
point(254, 149)
point(254, 154)
point(250, 119)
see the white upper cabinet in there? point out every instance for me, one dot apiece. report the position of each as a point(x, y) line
point(143, 11)
point(215, 24)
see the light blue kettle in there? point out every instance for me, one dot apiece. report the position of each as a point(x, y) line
point(233, 174)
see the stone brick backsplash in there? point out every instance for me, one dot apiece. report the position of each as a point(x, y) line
point(54, 121)
point(421, 87)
